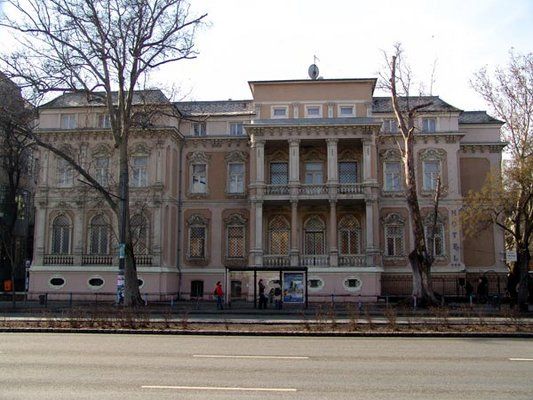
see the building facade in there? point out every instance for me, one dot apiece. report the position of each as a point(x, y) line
point(306, 174)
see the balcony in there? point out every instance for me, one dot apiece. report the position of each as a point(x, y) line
point(313, 190)
point(58, 259)
point(351, 188)
point(314, 260)
point(96, 259)
point(277, 190)
point(357, 260)
point(272, 260)
point(144, 259)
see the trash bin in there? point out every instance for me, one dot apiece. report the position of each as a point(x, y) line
point(42, 299)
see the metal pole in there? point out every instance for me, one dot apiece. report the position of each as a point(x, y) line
point(255, 288)
point(122, 235)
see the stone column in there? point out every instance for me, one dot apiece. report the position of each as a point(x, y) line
point(258, 233)
point(40, 234)
point(156, 244)
point(294, 167)
point(258, 169)
point(333, 168)
point(333, 250)
point(370, 244)
point(159, 163)
point(294, 253)
point(78, 242)
point(367, 160)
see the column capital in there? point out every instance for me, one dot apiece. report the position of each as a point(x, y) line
point(294, 141)
point(333, 202)
point(332, 141)
point(257, 142)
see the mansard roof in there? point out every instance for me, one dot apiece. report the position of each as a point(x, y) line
point(96, 99)
point(383, 104)
point(478, 117)
point(217, 107)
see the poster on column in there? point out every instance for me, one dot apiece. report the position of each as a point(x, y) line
point(293, 287)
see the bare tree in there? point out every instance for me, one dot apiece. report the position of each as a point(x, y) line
point(105, 49)
point(15, 164)
point(508, 201)
point(398, 80)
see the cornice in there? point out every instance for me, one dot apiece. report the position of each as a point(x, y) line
point(482, 147)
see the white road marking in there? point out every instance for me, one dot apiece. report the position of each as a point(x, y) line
point(521, 359)
point(240, 389)
point(258, 357)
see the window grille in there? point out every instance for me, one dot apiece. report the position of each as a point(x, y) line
point(279, 235)
point(65, 173)
point(437, 247)
point(139, 231)
point(197, 238)
point(279, 173)
point(349, 235)
point(102, 167)
point(314, 236)
point(347, 172)
point(235, 241)
point(394, 240)
point(61, 235)
point(99, 235)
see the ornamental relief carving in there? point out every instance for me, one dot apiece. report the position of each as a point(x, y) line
point(197, 219)
point(199, 157)
point(236, 156)
point(393, 218)
point(390, 155)
point(235, 219)
point(140, 148)
point(432, 154)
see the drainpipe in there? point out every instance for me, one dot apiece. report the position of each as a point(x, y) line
point(178, 249)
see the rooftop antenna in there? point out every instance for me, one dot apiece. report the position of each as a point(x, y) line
point(313, 69)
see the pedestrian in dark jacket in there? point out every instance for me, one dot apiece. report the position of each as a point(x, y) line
point(262, 297)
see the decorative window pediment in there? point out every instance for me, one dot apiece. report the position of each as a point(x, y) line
point(390, 155)
point(235, 219)
point(236, 156)
point(101, 149)
point(393, 219)
point(432, 154)
point(198, 157)
point(197, 219)
point(140, 149)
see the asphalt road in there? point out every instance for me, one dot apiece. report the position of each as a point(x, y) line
point(130, 367)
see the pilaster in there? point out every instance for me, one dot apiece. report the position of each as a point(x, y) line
point(333, 250)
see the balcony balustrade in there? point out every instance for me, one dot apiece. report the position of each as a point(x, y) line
point(313, 190)
point(314, 260)
point(351, 188)
point(357, 260)
point(272, 260)
point(277, 190)
point(144, 259)
point(58, 259)
point(97, 259)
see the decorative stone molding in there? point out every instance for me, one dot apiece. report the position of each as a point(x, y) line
point(393, 219)
point(140, 148)
point(235, 219)
point(482, 147)
point(432, 154)
point(390, 155)
point(198, 157)
point(236, 156)
point(197, 219)
point(101, 149)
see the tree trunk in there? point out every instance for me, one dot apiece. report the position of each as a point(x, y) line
point(522, 264)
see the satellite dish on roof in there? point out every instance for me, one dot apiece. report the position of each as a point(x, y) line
point(313, 71)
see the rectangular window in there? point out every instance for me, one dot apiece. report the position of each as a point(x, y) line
point(199, 178)
point(437, 247)
point(236, 177)
point(197, 241)
point(431, 173)
point(347, 172)
point(394, 240)
point(392, 176)
point(139, 176)
point(313, 111)
point(313, 173)
point(21, 200)
point(65, 173)
point(104, 121)
point(429, 125)
point(390, 126)
point(236, 129)
point(68, 121)
point(279, 173)
point(235, 242)
point(199, 129)
point(102, 168)
point(346, 111)
point(280, 112)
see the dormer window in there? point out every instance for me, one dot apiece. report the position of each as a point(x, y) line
point(104, 121)
point(199, 129)
point(429, 125)
point(390, 126)
point(280, 112)
point(313, 111)
point(235, 129)
point(68, 121)
point(346, 111)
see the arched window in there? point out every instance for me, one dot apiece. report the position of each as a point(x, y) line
point(99, 235)
point(197, 237)
point(278, 235)
point(436, 247)
point(140, 233)
point(314, 236)
point(393, 226)
point(61, 235)
point(349, 235)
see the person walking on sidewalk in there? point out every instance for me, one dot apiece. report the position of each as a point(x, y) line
point(262, 297)
point(219, 294)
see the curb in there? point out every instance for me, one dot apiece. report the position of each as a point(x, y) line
point(208, 332)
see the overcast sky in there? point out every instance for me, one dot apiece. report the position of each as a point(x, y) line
point(277, 39)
